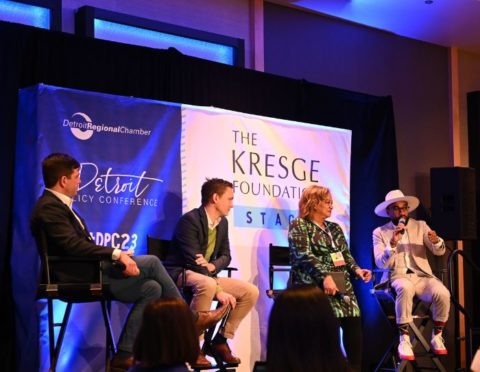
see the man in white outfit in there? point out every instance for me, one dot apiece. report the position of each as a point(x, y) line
point(400, 246)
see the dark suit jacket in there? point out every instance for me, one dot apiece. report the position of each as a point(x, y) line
point(65, 236)
point(190, 238)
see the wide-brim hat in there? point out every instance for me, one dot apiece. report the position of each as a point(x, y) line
point(393, 197)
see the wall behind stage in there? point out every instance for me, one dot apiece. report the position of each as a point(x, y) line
point(362, 59)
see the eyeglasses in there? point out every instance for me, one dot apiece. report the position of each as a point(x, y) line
point(400, 209)
point(328, 202)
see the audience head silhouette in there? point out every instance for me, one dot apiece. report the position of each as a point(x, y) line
point(167, 336)
point(303, 333)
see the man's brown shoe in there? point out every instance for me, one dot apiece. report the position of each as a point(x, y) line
point(207, 319)
point(223, 352)
point(202, 362)
point(121, 363)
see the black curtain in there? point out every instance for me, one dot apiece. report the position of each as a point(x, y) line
point(30, 56)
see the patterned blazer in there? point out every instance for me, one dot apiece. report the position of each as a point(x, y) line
point(310, 257)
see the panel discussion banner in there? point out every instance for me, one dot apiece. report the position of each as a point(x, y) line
point(143, 164)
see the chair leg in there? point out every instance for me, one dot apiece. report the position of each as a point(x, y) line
point(110, 346)
point(51, 334)
point(208, 342)
point(389, 353)
point(56, 346)
point(418, 332)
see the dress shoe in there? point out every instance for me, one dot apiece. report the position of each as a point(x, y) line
point(121, 363)
point(222, 351)
point(207, 319)
point(202, 361)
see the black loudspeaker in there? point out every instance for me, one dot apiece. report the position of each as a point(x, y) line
point(453, 201)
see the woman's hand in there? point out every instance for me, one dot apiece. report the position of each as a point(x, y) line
point(329, 286)
point(364, 274)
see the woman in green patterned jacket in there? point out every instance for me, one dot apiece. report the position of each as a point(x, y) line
point(318, 254)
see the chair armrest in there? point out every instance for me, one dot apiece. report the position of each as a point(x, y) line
point(280, 268)
point(229, 270)
point(90, 265)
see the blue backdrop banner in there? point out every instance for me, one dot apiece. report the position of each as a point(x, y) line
point(129, 150)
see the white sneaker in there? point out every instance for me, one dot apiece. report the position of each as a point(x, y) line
point(405, 351)
point(438, 344)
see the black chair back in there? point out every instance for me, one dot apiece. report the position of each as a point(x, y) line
point(89, 288)
point(279, 261)
point(158, 247)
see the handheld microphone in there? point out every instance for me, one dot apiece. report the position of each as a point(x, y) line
point(342, 296)
point(401, 223)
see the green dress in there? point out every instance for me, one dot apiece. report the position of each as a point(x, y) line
point(310, 256)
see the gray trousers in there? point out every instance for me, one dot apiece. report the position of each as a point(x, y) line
point(152, 283)
point(428, 289)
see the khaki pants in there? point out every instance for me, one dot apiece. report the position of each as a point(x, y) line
point(204, 288)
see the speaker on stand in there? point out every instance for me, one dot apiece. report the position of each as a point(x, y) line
point(454, 217)
point(453, 201)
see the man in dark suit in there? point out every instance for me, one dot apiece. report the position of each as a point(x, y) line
point(200, 244)
point(140, 279)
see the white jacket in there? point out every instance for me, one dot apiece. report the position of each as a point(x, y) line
point(415, 241)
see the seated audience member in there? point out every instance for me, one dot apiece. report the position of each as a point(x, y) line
point(303, 333)
point(319, 255)
point(401, 246)
point(143, 278)
point(167, 338)
point(200, 245)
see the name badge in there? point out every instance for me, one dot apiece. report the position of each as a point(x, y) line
point(337, 259)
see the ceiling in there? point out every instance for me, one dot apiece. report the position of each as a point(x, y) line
point(450, 23)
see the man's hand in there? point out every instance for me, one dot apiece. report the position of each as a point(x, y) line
point(397, 236)
point(129, 252)
point(389, 252)
point(200, 260)
point(329, 286)
point(226, 298)
point(131, 268)
point(364, 274)
point(433, 237)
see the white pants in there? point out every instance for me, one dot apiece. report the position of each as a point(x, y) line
point(427, 289)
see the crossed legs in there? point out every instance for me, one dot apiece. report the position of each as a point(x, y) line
point(204, 289)
point(152, 283)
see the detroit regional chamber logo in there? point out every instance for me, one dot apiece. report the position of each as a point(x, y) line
point(83, 127)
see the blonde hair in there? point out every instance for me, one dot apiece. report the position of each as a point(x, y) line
point(311, 196)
